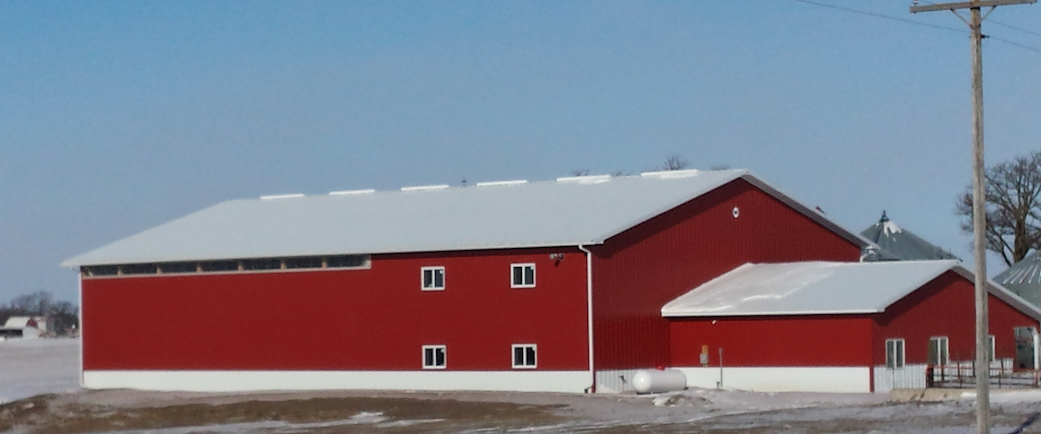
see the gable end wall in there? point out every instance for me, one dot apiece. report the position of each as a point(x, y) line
point(636, 272)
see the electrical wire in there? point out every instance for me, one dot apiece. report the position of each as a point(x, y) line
point(904, 20)
point(1014, 28)
point(883, 16)
point(1017, 44)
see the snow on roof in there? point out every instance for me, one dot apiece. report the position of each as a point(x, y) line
point(902, 244)
point(813, 288)
point(1024, 278)
point(19, 322)
point(568, 211)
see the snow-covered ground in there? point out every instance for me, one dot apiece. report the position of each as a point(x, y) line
point(31, 367)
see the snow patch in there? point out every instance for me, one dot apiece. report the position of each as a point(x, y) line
point(891, 228)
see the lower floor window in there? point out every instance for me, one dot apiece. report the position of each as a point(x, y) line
point(894, 353)
point(524, 356)
point(434, 356)
point(938, 351)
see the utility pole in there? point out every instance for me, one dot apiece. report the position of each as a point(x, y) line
point(979, 215)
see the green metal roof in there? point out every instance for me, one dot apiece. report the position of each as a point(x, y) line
point(901, 243)
point(1024, 278)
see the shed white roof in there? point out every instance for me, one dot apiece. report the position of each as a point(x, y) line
point(814, 288)
point(18, 322)
point(568, 211)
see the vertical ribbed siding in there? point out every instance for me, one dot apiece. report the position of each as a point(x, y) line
point(641, 269)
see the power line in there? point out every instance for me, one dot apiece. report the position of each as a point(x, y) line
point(1014, 27)
point(1016, 44)
point(952, 29)
point(883, 16)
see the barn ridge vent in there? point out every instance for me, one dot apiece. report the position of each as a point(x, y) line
point(351, 192)
point(588, 179)
point(282, 196)
point(425, 187)
point(500, 183)
point(671, 174)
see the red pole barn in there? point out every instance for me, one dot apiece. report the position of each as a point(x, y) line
point(543, 286)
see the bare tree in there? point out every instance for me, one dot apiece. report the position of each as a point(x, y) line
point(1013, 191)
point(675, 162)
point(580, 172)
point(37, 303)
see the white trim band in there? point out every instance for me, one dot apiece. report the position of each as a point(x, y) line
point(245, 381)
point(834, 379)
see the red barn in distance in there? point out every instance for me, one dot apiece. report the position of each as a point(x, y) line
point(544, 286)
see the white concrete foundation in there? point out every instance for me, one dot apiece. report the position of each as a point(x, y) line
point(242, 381)
point(782, 379)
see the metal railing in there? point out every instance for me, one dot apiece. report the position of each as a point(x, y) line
point(963, 375)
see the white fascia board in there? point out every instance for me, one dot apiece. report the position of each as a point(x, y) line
point(74, 263)
point(698, 314)
point(942, 267)
point(812, 213)
point(1002, 293)
point(654, 213)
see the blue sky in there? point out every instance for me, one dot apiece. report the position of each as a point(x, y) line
point(118, 116)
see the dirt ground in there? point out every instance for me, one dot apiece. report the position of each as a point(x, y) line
point(695, 411)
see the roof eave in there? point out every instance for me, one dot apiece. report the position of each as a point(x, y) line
point(76, 262)
point(680, 314)
point(813, 214)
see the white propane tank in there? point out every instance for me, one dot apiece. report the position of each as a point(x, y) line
point(658, 381)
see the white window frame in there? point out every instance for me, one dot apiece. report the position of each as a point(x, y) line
point(434, 348)
point(513, 269)
point(901, 359)
point(943, 354)
point(433, 278)
point(993, 351)
point(524, 363)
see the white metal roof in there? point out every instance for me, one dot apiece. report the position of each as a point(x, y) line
point(814, 288)
point(568, 211)
point(17, 322)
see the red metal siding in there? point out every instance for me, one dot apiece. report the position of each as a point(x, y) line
point(946, 307)
point(374, 319)
point(808, 340)
point(638, 271)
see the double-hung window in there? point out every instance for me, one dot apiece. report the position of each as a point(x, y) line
point(894, 353)
point(433, 278)
point(524, 356)
point(435, 356)
point(522, 275)
point(990, 348)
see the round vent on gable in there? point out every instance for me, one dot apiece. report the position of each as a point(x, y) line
point(737, 212)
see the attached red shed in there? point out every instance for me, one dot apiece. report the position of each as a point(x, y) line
point(550, 286)
point(839, 327)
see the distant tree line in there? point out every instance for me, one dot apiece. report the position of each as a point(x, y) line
point(672, 162)
point(63, 314)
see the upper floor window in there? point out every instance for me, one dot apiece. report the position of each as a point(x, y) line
point(523, 275)
point(894, 353)
point(433, 278)
point(434, 356)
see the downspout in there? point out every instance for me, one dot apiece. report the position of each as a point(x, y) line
point(589, 315)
